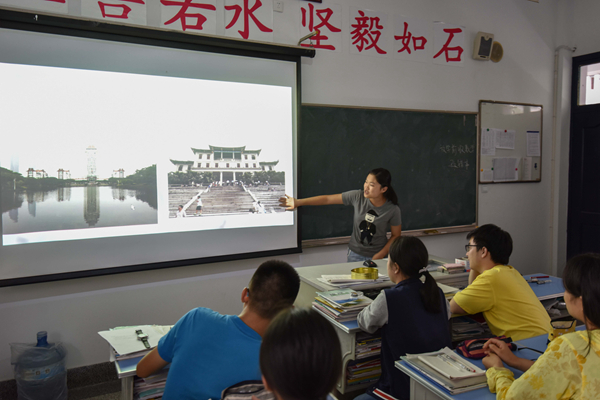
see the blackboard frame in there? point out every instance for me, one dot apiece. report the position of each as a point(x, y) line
point(429, 231)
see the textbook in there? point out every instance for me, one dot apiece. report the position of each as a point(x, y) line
point(450, 365)
point(346, 299)
point(341, 305)
point(455, 375)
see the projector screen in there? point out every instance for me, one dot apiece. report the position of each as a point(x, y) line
point(118, 156)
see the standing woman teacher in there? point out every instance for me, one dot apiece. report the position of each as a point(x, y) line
point(376, 212)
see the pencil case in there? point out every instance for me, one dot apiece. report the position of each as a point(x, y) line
point(473, 348)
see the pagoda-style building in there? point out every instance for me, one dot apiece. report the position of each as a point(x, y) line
point(226, 160)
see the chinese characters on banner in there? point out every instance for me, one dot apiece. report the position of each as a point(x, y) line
point(121, 11)
point(53, 6)
point(412, 39)
point(327, 20)
point(368, 32)
point(249, 19)
point(449, 44)
point(373, 33)
point(192, 16)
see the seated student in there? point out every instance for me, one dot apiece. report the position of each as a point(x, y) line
point(498, 290)
point(209, 352)
point(300, 357)
point(412, 315)
point(570, 367)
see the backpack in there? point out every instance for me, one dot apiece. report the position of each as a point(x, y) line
point(245, 390)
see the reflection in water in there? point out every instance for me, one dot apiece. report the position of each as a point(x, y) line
point(14, 214)
point(31, 207)
point(73, 208)
point(91, 205)
point(10, 201)
point(118, 193)
point(63, 194)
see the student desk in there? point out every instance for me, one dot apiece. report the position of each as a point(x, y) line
point(309, 286)
point(422, 388)
point(126, 372)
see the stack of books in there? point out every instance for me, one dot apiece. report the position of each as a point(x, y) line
point(463, 261)
point(366, 368)
point(451, 268)
point(340, 305)
point(150, 388)
point(363, 371)
point(447, 370)
point(367, 345)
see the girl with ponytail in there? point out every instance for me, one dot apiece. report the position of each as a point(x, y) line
point(376, 212)
point(413, 315)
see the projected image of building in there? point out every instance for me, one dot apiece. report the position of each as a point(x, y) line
point(228, 162)
point(225, 180)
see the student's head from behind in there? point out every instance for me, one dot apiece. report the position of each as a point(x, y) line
point(408, 258)
point(383, 178)
point(300, 355)
point(409, 255)
point(273, 287)
point(581, 279)
point(489, 239)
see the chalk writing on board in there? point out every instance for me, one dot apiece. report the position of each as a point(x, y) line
point(457, 149)
point(459, 164)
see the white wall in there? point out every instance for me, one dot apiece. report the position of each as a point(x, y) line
point(73, 311)
point(587, 29)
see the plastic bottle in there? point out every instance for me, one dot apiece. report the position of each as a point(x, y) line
point(40, 371)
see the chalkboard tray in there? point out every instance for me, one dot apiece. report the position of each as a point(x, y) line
point(432, 157)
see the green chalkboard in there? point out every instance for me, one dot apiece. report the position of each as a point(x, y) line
point(431, 156)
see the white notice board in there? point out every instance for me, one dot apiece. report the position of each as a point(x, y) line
point(510, 142)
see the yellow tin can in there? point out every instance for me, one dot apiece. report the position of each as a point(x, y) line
point(364, 273)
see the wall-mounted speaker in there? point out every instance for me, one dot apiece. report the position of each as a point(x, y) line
point(482, 47)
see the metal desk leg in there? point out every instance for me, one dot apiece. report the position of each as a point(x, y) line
point(127, 388)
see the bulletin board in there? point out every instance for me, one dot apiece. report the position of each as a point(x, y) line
point(510, 142)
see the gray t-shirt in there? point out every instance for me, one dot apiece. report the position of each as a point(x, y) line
point(371, 223)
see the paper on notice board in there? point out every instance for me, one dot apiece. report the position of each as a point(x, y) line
point(486, 175)
point(533, 143)
point(505, 139)
point(505, 169)
point(526, 169)
point(488, 142)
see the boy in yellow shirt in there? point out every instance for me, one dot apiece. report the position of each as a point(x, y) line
point(498, 290)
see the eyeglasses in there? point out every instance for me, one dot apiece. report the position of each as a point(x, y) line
point(469, 245)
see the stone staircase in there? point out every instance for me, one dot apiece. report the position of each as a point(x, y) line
point(269, 196)
point(221, 200)
point(225, 200)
